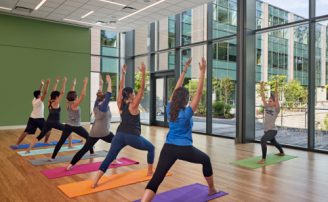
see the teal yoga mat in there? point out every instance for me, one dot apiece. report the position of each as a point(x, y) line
point(61, 159)
point(251, 163)
point(49, 150)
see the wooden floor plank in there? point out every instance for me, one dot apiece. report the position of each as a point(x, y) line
point(302, 179)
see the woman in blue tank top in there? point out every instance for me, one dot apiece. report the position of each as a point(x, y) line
point(178, 144)
point(129, 131)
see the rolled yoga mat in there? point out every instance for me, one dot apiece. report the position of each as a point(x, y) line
point(191, 193)
point(41, 144)
point(48, 150)
point(84, 168)
point(61, 159)
point(251, 163)
point(106, 182)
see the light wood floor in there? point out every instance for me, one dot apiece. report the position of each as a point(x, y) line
point(302, 179)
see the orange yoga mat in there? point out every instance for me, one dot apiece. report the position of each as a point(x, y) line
point(106, 182)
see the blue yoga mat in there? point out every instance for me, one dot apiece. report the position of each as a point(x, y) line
point(41, 144)
point(48, 151)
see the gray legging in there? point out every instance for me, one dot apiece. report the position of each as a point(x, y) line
point(269, 136)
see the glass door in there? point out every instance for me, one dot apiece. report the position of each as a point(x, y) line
point(164, 86)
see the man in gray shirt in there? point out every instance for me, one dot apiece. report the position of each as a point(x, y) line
point(271, 111)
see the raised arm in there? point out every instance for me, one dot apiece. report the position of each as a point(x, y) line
point(104, 105)
point(276, 98)
point(45, 90)
point(122, 81)
point(182, 75)
point(263, 94)
point(62, 92)
point(83, 92)
point(196, 98)
point(138, 98)
point(41, 85)
point(73, 85)
point(55, 84)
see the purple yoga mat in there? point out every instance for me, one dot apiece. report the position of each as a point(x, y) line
point(83, 168)
point(191, 193)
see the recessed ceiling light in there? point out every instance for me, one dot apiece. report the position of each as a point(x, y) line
point(154, 4)
point(40, 4)
point(88, 23)
point(112, 2)
point(4, 8)
point(84, 16)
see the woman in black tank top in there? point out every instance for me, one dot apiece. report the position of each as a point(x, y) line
point(53, 120)
point(129, 130)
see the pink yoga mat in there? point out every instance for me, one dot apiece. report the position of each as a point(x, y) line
point(83, 168)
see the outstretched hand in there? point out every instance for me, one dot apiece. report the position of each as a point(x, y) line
point(42, 82)
point(74, 81)
point(85, 81)
point(108, 79)
point(202, 65)
point(48, 81)
point(187, 64)
point(143, 68)
point(124, 69)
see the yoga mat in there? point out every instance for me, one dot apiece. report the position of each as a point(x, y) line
point(41, 144)
point(83, 168)
point(251, 163)
point(61, 159)
point(107, 182)
point(191, 193)
point(48, 150)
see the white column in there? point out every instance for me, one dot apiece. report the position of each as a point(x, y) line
point(290, 48)
point(95, 49)
point(265, 42)
point(323, 55)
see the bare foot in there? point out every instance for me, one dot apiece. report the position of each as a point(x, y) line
point(150, 173)
point(27, 152)
point(51, 160)
point(94, 185)
point(280, 154)
point(70, 146)
point(69, 167)
point(262, 161)
point(93, 154)
point(212, 191)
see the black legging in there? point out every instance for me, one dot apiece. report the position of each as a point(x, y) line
point(48, 126)
point(89, 144)
point(269, 136)
point(68, 129)
point(169, 154)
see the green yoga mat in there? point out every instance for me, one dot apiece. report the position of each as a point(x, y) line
point(48, 150)
point(251, 163)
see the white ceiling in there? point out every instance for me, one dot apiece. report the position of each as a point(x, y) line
point(71, 11)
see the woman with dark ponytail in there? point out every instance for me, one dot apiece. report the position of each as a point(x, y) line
point(100, 128)
point(73, 123)
point(53, 120)
point(178, 144)
point(129, 131)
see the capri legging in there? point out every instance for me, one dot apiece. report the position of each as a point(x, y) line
point(169, 154)
point(91, 141)
point(123, 139)
point(48, 126)
point(68, 129)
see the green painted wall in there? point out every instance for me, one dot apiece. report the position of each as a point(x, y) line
point(31, 50)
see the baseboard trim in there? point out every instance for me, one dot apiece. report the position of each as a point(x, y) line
point(23, 126)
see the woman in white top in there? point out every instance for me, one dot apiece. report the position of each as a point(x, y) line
point(36, 119)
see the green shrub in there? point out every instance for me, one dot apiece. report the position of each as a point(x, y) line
point(221, 109)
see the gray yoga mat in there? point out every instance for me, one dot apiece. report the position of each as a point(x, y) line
point(61, 159)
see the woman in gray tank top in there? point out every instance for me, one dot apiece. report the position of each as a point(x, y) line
point(271, 111)
point(73, 123)
point(100, 129)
